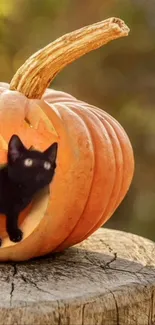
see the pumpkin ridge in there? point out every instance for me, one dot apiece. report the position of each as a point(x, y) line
point(108, 119)
point(97, 110)
point(124, 187)
point(119, 132)
point(60, 97)
point(62, 229)
point(127, 155)
point(117, 199)
point(86, 114)
point(119, 177)
point(107, 124)
point(119, 129)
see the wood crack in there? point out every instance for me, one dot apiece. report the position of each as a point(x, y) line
point(116, 306)
point(12, 282)
point(92, 285)
point(112, 260)
point(150, 318)
point(29, 281)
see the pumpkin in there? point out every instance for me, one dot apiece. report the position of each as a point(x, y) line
point(95, 159)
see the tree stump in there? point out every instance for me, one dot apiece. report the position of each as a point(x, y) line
point(108, 279)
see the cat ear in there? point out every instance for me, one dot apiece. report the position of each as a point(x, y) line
point(15, 148)
point(51, 152)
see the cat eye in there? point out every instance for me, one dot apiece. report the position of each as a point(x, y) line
point(47, 165)
point(28, 162)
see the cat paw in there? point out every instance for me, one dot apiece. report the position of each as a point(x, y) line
point(16, 236)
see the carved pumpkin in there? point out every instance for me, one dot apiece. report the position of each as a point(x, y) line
point(95, 159)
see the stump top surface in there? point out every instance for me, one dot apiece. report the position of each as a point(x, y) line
point(107, 279)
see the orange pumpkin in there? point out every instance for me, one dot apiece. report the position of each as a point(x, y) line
point(95, 158)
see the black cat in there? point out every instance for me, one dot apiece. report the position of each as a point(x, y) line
point(27, 172)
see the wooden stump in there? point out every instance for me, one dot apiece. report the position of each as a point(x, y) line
point(108, 279)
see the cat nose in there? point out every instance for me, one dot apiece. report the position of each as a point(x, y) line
point(39, 177)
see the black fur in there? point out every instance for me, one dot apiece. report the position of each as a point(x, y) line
point(19, 180)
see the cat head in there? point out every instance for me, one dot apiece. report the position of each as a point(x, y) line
point(31, 167)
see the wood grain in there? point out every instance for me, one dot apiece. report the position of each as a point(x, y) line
point(108, 279)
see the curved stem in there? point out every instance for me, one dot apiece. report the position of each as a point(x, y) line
point(35, 75)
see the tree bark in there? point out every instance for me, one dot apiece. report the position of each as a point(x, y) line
point(108, 279)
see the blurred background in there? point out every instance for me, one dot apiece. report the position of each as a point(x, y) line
point(120, 78)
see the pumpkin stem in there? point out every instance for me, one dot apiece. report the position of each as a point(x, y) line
point(36, 74)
